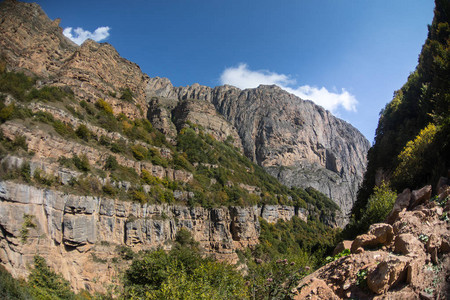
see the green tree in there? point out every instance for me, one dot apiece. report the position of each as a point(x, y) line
point(46, 283)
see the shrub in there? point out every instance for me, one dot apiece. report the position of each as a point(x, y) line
point(41, 177)
point(25, 172)
point(88, 107)
point(149, 179)
point(111, 163)
point(6, 112)
point(27, 223)
point(81, 163)
point(46, 283)
point(380, 203)
point(104, 106)
point(413, 158)
point(109, 190)
point(139, 152)
point(20, 142)
point(127, 95)
point(65, 130)
point(139, 196)
point(16, 84)
point(119, 147)
point(11, 288)
point(378, 206)
point(47, 93)
point(125, 252)
point(83, 132)
point(155, 157)
point(104, 140)
point(182, 274)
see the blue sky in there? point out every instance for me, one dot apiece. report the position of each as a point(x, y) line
point(347, 55)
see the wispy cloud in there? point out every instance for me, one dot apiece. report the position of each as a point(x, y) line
point(80, 35)
point(242, 77)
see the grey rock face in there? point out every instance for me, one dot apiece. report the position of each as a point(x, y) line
point(78, 221)
point(296, 141)
point(63, 223)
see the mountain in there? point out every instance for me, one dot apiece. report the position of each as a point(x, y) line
point(298, 142)
point(97, 157)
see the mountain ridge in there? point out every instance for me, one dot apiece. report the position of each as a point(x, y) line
point(96, 70)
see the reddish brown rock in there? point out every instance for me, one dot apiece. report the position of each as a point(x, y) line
point(378, 234)
point(387, 274)
point(402, 202)
point(315, 289)
point(421, 196)
point(344, 245)
point(407, 243)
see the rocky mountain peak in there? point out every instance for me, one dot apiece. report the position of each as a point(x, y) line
point(297, 141)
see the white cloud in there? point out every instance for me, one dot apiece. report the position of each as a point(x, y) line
point(80, 35)
point(242, 77)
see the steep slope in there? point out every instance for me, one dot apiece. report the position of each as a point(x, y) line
point(296, 141)
point(412, 138)
point(84, 174)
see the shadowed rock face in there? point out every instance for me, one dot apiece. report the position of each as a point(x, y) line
point(296, 141)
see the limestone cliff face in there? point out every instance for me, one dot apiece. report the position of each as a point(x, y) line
point(67, 227)
point(204, 114)
point(298, 142)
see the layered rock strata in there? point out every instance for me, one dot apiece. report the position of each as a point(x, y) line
point(67, 226)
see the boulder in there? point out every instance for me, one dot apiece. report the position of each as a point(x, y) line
point(421, 196)
point(406, 243)
point(315, 289)
point(342, 246)
point(378, 234)
point(387, 274)
point(401, 203)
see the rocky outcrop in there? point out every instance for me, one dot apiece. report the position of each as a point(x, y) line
point(67, 226)
point(204, 114)
point(406, 259)
point(296, 141)
point(48, 146)
point(31, 42)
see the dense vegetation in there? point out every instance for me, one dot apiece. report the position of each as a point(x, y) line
point(412, 142)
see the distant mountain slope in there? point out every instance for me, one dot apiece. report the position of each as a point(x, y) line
point(296, 141)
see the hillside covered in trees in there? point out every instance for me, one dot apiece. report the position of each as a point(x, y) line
point(412, 143)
